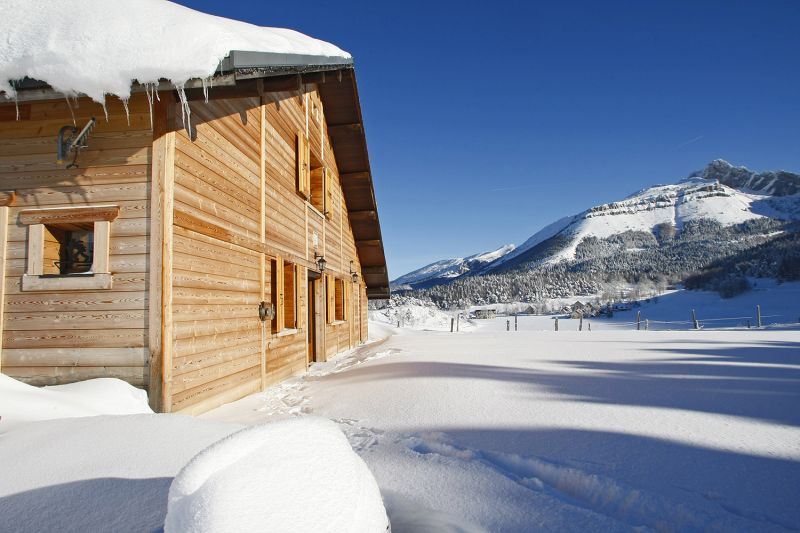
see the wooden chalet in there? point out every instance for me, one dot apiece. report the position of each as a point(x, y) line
point(200, 262)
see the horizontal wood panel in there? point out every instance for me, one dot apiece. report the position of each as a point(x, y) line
point(75, 301)
point(75, 338)
point(87, 319)
point(57, 375)
point(192, 348)
point(249, 357)
point(184, 399)
point(74, 356)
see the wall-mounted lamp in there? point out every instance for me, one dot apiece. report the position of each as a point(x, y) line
point(353, 273)
point(321, 263)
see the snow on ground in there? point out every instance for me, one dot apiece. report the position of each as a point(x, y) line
point(673, 311)
point(411, 313)
point(85, 47)
point(22, 403)
point(567, 431)
point(69, 465)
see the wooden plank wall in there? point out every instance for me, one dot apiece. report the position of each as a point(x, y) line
point(64, 336)
point(217, 285)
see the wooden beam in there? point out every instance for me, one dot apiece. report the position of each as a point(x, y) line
point(354, 176)
point(373, 270)
point(369, 242)
point(162, 184)
point(336, 129)
point(7, 198)
point(3, 253)
point(242, 89)
point(363, 215)
point(69, 215)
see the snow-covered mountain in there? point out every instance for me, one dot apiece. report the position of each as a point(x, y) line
point(720, 193)
point(704, 195)
point(451, 268)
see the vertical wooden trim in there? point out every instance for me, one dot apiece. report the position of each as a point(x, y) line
point(35, 250)
point(102, 244)
point(3, 252)
point(162, 184)
point(263, 222)
point(298, 296)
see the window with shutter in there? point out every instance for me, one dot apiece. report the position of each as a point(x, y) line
point(328, 207)
point(303, 166)
point(277, 294)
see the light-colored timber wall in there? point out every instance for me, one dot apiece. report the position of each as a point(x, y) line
point(51, 337)
point(237, 211)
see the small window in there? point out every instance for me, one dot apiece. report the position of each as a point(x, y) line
point(68, 248)
point(285, 295)
point(338, 299)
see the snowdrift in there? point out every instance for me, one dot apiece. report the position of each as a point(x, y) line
point(293, 475)
point(23, 403)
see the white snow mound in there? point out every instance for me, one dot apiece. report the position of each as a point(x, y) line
point(23, 403)
point(298, 475)
point(98, 47)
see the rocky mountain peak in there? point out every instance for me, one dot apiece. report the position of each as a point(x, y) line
point(777, 183)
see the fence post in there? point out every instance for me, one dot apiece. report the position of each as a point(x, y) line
point(556, 323)
point(508, 325)
point(515, 322)
point(638, 320)
point(458, 322)
point(452, 321)
point(694, 320)
point(758, 315)
point(580, 324)
point(590, 326)
point(646, 324)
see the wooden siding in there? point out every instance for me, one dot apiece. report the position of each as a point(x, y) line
point(226, 206)
point(52, 337)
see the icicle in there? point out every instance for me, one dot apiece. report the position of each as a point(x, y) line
point(147, 89)
point(204, 81)
point(16, 95)
point(105, 109)
point(186, 112)
point(127, 113)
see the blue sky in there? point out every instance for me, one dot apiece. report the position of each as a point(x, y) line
point(488, 120)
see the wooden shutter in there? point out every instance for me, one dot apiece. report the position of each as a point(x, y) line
point(278, 288)
point(330, 290)
point(347, 290)
point(328, 208)
point(299, 282)
point(303, 166)
point(289, 296)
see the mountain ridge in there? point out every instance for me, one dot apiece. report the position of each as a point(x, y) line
point(720, 192)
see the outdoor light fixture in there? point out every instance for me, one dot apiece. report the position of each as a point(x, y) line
point(321, 263)
point(353, 273)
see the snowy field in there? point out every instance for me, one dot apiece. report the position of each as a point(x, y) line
point(484, 430)
point(672, 310)
point(480, 430)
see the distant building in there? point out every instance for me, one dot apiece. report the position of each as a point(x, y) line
point(485, 314)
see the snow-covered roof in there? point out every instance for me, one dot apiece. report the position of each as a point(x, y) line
point(99, 47)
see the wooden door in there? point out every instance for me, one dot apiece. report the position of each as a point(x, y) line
point(311, 324)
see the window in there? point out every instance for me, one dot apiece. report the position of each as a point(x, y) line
point(303, 166)
point(338, 299)
point(286, 295)
point(314, 180)
point(68, 248)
